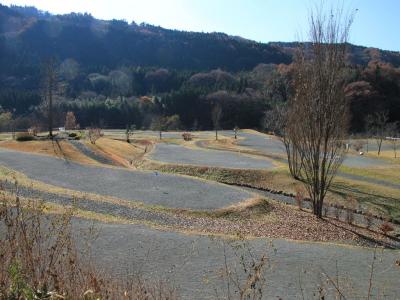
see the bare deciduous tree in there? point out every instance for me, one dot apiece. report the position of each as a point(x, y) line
point(216, 115)
point(158, 124)
point(318, 112)
point(94, 134)
point(70, 121)
point(129, 132)
point(358, 145)
point(235, 131)
point(276, 121)
point(50, 82)
point(393, 136)
point(5, 121)
point(377, 126)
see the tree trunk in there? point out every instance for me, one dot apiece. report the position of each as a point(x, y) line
point(379, 146)
point(50, 112)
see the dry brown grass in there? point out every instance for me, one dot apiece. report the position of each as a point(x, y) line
point(121, 152)
point(121, 149)
point(279, 179)
point(59, 149)
point(39, 259)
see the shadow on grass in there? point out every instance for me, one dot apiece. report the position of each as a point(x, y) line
point(367, 238)
point(59, 150)
point(388, 205)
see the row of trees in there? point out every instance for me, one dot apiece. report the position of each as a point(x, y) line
point(114, 98)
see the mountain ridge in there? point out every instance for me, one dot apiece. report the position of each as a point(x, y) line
point(28, 35)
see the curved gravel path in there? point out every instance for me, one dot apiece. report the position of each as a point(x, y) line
point(156, 134)
point(177, 154)
point(264, 144)
point(268, 145)
point(152, 188)
point(193, 263)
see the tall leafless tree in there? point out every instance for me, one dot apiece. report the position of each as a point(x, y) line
point(319, 112)
point(158, 124)
point(70, 121)
point(377, 126)
point(129, 132)
point(393, 136)
point(50, 82)
point(216, 115)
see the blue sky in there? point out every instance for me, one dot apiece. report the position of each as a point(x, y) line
point(377, 22)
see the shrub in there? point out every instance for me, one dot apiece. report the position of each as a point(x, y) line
point(74, 136)
point(337, 213)
point(358, 145)
point(24, 136)
point(369, 219)
point(325, 210)
point(386, 227)
point(34, 130)
point(94, 134)
point(349, 216)
point(299, 197)
point(351, 205)
point(187, 136)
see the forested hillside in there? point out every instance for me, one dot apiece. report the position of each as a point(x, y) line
point(112, 73)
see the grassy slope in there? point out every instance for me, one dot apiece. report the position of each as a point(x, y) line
point(59, 149)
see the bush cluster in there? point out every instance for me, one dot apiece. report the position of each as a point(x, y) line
point(24, 136)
